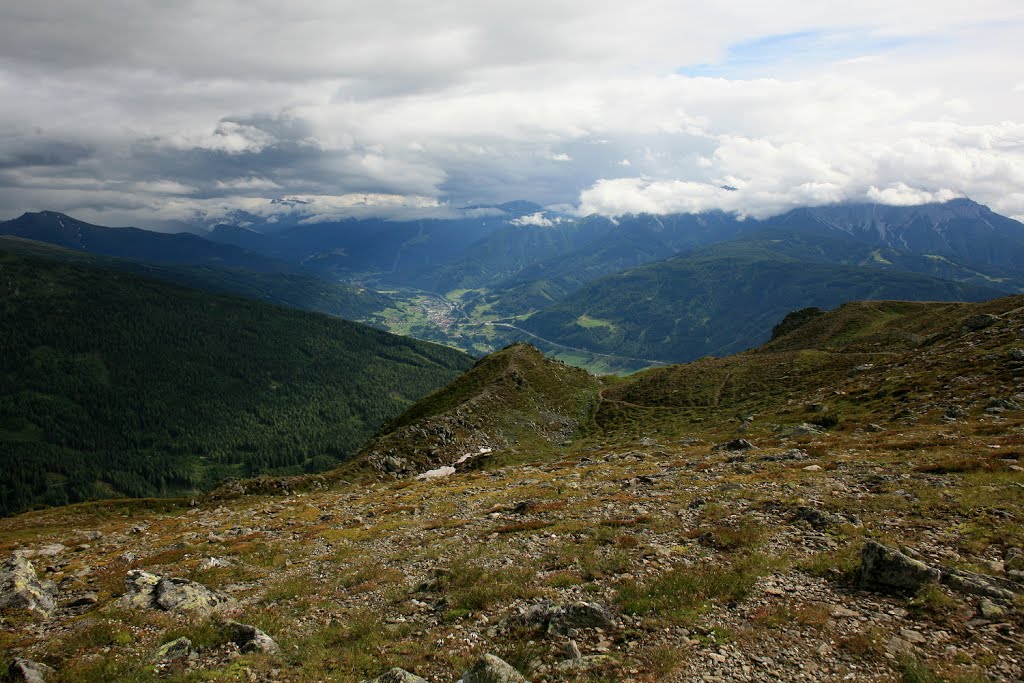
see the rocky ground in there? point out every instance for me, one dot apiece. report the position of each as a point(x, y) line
point(639, 561)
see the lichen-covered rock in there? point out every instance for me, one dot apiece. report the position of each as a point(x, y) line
point(27, 671)
point(397, 675)
point(178, 649)
point(491, 669)
point(188, 596)
point(149, 591)
point(139, 587)
point(250, 639)
point(21, 589)
point(889, 569)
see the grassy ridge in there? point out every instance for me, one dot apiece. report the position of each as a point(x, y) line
point(112, 384)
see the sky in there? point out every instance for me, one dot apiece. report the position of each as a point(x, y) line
point(134, 112)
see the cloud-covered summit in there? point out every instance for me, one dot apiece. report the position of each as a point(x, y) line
point(140, 112)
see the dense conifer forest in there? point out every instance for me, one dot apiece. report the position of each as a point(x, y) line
point(113, 384)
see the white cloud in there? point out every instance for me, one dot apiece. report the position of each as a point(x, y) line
point(536, 219)
point(135, 111)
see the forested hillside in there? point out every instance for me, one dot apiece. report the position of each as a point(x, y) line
point(113, 384)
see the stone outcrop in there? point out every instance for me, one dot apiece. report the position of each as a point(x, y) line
point(21, 589)
point(148, 591)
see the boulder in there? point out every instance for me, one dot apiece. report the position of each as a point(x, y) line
point(397, 675)
point(177, 649)
point(189, 596)
point(551, 618)
point(981, 321)
point(149, 591)
point(27, 671)
point(250, 639)
point(491, 669)
point(139, 587)
point(580, 615)
point(734, 445)
point(885, 568)
point(21, 589)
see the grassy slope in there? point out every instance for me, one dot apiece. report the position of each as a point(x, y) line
point(866, 360)
point(112, 384)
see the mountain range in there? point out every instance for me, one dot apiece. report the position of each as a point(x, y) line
point(607, 294)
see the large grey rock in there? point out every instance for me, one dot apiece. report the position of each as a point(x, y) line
point(144, 590)
point(27, 671)
point(889, 569)
point(397, 675)
point(21, 589)
point(491, 669)
point(250, 639)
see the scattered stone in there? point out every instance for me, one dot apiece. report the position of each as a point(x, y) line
point(572, 650)
point(397, 675)
point(51, 550)
point(889, 569)
point(734, 445)
point(872, 427)
point(250, 639)
point(491, 669)
point(27, 671)
point(177, 649)
point(1015, 354)
point(21, 589)
point(812, 468)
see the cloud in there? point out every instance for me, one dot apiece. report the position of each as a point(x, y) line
point(129, 112)
point(537, 220)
